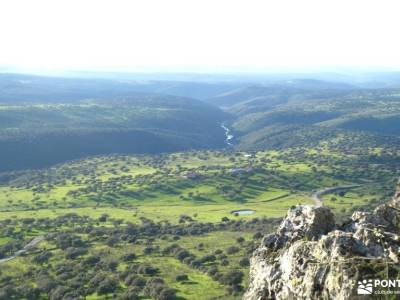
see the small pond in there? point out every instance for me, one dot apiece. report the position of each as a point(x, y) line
point(243, 212)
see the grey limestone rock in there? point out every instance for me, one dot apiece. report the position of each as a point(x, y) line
point(308, 257)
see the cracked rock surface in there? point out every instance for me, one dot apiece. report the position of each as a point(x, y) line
point(309, 257)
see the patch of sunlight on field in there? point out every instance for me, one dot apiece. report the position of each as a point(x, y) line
point(200, 286)
point(158, 212)
point(350, 199)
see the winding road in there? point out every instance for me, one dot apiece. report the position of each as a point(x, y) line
point(28, 246)
point(317, 196)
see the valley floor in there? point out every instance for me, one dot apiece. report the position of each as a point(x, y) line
point(142, 225)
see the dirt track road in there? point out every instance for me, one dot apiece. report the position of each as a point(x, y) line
point(28, 246)
point(317, 196)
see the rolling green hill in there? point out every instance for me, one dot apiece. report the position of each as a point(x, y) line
point(38, 89)
point(299, 121)
point(255, 97)
point(39, 135)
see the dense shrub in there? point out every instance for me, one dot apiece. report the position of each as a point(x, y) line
point(181, 277)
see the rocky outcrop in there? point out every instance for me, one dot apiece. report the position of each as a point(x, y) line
point(309, 257)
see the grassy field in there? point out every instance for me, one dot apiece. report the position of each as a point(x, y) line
point(185, 199)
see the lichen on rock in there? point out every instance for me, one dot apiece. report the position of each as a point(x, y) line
point(309, 257)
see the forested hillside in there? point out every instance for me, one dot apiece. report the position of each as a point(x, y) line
point(288, 118)
point(38, 89)
point(35, 135)
point(47, 120)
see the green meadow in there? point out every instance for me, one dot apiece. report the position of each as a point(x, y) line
point(173, 219)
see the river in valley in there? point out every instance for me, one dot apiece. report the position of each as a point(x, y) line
point(228, 135)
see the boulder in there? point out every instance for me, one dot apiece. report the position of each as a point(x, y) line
point(308, 257)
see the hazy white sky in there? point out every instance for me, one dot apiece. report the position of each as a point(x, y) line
point(167, 34)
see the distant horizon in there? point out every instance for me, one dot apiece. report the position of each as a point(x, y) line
point(192, 70)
